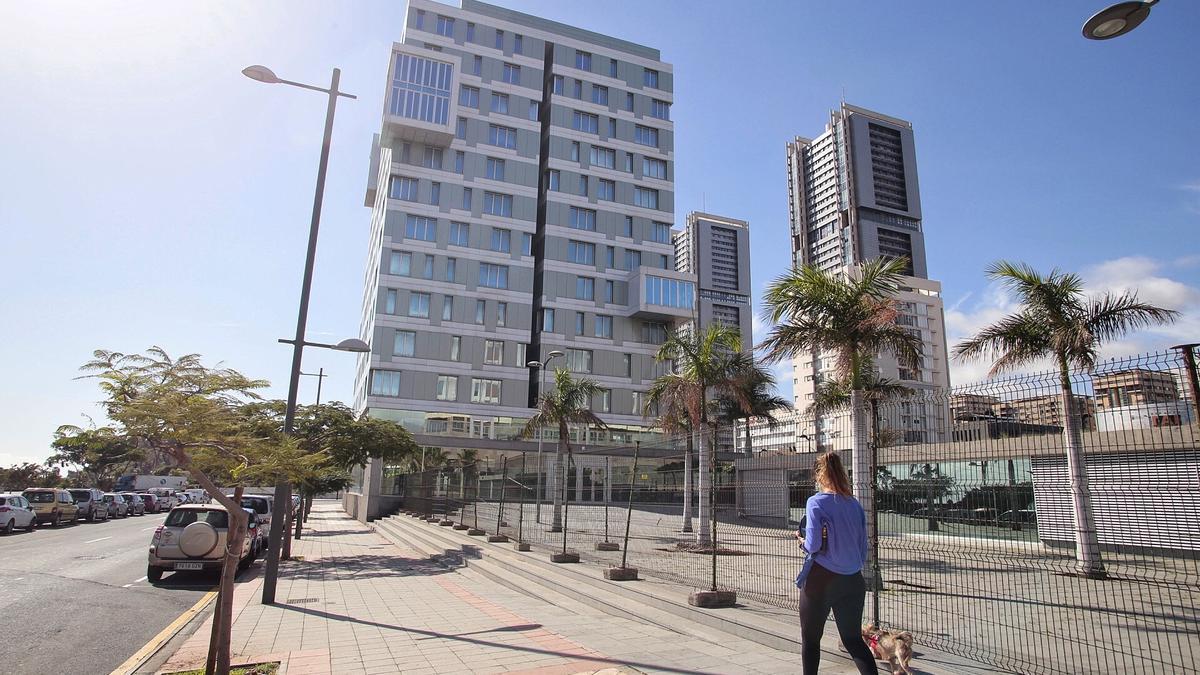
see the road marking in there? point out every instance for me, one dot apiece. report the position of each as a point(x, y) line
point(138, 581)
point(149, 528)
point(96, 540)
point(19, 579)
point(164, 635)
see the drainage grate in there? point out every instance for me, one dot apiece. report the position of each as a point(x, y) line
point(301, 601)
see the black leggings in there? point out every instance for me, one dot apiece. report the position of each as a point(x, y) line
point(845, 594)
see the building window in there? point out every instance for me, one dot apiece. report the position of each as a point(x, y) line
point(403, 188)
point(421, 89)
point(480, 311)
point(526, 243)
point(501, 240)
point(547, 321)
point(466, 199)
point(477, 65)
point(609, 287)
point(503, 137)
point(420, 19)
point(470, 31)
point(660, 109)
point(498, 204)
point(646, 198)
point(400, 263)
point(639, 404)
point(612, 127)
point(385, 383)
point(645, 136)
point(604, 401)
point(610, 254)
point(654, 168)
point(447, 307)
point(581, 252)
point(577, 89)
point(653, 332)
point(495, 168)
point(583, 60)
point(459, 160)
point(501, 313)
point(435, 194)
point(418, 306)
point(460, 129)
point(447, 388)
point(451, 268)
point(599, 94)
point(586, 122)
point(583, 184)
point(603, 326)
point(557, 86)
point(493, 352)
point(432, 158)
point(533, 111)
point(629, 101)
point(522, 349)
point(580, 318)
point(650, 78)
point(660, 232)
point(485, 391)
point(606, 190)
point(445, 26)
point(460, 234)
point(585, 288)
point(554, 179)
point(669, 292)
point(628, 231)
point(664, 261)
point(389, 303)
point(404, 343)
point(633, 259)
point(583, 219)
point(518, 43)
point(511, 74)
point(579, 360)
point(627, 362)
point(629, 162)
point(420, 227)
point(455, 347)
point(500, 103)
point(574, 151)
point(605, 157)
point(493, 276)
point(427, 270)
point(612, 68)
point(468, 96)
point(499, 39)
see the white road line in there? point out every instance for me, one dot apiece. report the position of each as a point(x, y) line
point(96, 540)
point(148, 528)
point(19, 579)
point(138, 581)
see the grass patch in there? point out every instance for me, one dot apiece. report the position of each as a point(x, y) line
point(270, 668)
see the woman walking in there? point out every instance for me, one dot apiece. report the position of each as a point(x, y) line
point(835, 537)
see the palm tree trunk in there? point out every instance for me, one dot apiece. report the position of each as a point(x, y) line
point(554, 476)
point(702, 535)
point(687, 483)
point(1087, 546)
point(749, 446)
point(861, 462)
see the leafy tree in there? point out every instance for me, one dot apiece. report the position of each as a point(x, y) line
point(100, 453)
point(568, 403)
point(751, 394)
point(669, 396)
point(21, 476)
point(1058, 321)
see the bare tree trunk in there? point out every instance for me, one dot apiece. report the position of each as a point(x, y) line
point(218, 644)
point(703, 535)
point(860, 420)
point(308, 507)
point(559, 474)
point(687, 482)
point(285, 552)
point(299, 517)
point(1087, 546)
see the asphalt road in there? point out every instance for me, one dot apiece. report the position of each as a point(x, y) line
point(75, 599)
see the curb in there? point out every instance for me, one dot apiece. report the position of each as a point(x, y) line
point(164, 636)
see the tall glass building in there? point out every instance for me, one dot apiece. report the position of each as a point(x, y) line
point(521, 195)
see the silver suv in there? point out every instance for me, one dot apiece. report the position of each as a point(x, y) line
point(193, 538)
point(91, 504)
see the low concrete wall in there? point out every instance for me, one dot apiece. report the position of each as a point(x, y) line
point(355, 505)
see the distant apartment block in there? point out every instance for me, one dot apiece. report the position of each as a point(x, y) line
point(1047, 410)
point(1136, 386)
point(716, 251)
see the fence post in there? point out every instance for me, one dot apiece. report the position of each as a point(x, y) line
point(625, 572)
point(876, 574)
point(1189, 361)
point(475, 531)
point(521, 545)
point(499, 536)
point(605, 545)
point(563, 556)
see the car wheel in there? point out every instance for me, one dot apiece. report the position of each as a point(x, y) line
point(32, 525)
point(12, 525)
point(57, 520)
point(154, 574)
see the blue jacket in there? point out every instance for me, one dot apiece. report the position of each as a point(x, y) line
point(843, 548)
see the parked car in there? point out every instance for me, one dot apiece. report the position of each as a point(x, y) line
point(91, 504)
point(52, 505)
point(263, 505)
point(136, 506)
point(164, 498)
point(151, 502)
point(181, 498)
point(1020, 516)
point(117, 506)
point(16, 511)
point(193, 538)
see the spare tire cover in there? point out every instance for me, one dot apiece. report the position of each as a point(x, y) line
point(198, 539)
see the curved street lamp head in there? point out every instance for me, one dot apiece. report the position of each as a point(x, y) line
point(1117, 20)
point(553, 354)
point(353, 345)
point(261, 73)
point(534, 364)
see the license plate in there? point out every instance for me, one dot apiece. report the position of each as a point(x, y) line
point(189, 566)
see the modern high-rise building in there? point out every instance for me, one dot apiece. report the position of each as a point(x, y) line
point(853, 197)
point(522, 196)
point(716, 251)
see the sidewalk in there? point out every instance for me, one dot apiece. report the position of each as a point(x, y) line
point(355, 603)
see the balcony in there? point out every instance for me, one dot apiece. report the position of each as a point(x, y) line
point(421, 106)
point(662, 295)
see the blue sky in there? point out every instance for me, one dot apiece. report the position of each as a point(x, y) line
point(150, 194)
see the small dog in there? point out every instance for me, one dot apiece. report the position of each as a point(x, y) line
point(895, 648)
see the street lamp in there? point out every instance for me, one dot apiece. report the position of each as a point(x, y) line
point(283, 489)
point(1117, 20)
point(540, 365)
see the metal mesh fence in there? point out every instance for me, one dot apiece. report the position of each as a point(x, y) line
point(980, 497)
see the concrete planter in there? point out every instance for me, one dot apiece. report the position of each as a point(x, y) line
point(475, 533)
point(607, 546)
point(461, 527)
point(564, 557)
point(497, 538)
point(446, 523)
point(712, 599)
point(522, 546)
point(621, 574)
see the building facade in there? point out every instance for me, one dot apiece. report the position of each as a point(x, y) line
point(853, 197)
point(1134, 387)
point(716, 251)
point(521, 194)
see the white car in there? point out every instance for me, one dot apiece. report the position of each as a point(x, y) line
point(193, 538)
point(16, 511)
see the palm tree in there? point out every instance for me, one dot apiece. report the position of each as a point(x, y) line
point(704, 362)
point(569, 402)
point(752, 394)
point(1058, 321)
point(669, 396)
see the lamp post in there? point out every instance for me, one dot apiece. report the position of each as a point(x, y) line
point(1117, 20)
point(541, 366)
point(320, 375)
point(283, 489)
